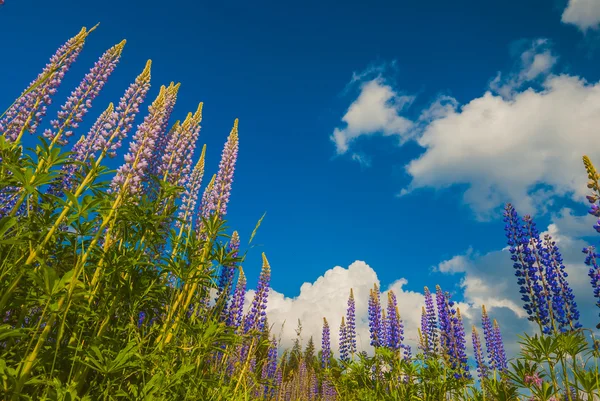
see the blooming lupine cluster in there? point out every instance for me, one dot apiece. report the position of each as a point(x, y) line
point(325, 345)
point(351, 324)
point(547, 296)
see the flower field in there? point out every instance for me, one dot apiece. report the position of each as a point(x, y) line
point(129, 284)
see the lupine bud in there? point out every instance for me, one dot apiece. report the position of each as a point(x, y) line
point(192, 187)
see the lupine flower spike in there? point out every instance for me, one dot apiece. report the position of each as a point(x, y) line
point(257, 315)
point(218, 198)
point(325, 345)
point(343, 341)
point(27, 111)
point(80, 101)
point(192, 187)
point(351, 324)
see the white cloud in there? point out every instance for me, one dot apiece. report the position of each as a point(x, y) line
point(513, 144)
point(375, 111)
point(525, 150)
point(585, 14)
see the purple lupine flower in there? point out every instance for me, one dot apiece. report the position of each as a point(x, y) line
point(394, 323)
point(130, 175)
point(343, 341)
point(177, 157)
point(489, 337)
point(109, 130)
point(28, 110)
point(205, 203)
point(351, 324)
point(257, 315)
point(591, 260)
point(521, 255)
point(375, 320)
point(190, 196)
point(431, 321)
point(236, 309)
point(407, 353)
point(80, 100)
point(325, 346)
point(219, 196)
point(563, 299)
point(163, 141)
point(129, 106)
point(500, 362)
point(459, 353)
point(482, 369)
point(141, 318)
point(443, 319)
point(227, 273)
point(80, 152)
point(537, 274)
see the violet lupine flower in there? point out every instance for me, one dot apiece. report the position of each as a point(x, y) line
point(141, 318)
point(28, 110)
point(219, 196)
point(177, 157)
point(236, 309)
point(500, 362)
point(482, 369)
point(80, 100)
point(80, 152)
point(344, 341)
point(591, 260)
point(407, 354)
point(563, 299)
point(190, 196)
point(325, 345)
point(521, 255)
point(431, 321)
point(163, 141)
point(127, 110)
point(351, 324)
point(257, 315)
point(375, 319)
point(109, 130)
point(489, 337)
point(537, 273)
point(534, 379)
point(129, 177)
point(204, 204)
point(227, 273)
point(459, 349)
point(395, 331)
point(443, 319)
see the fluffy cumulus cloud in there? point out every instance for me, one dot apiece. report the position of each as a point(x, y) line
point(376, 110)
point(514, 143)
point(585, 14)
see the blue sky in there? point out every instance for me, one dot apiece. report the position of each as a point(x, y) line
point(404, 84)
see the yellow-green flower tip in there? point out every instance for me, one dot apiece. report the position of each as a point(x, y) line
point(266, 265)
point(235, 236)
